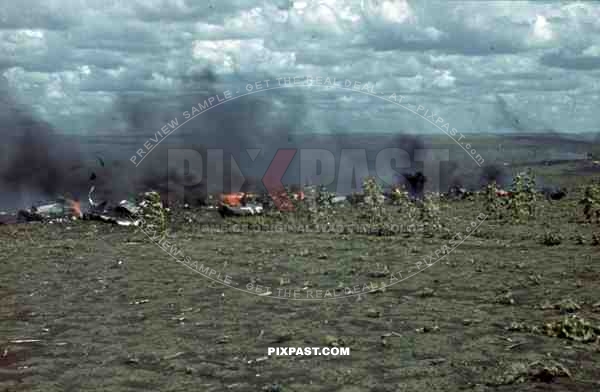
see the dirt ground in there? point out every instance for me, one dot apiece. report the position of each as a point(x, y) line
point(91, 306)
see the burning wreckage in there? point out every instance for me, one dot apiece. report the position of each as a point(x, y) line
point(57, 211)
point(148, 207)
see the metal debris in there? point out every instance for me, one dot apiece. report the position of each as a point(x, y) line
point(61, 210)
point(21, 341)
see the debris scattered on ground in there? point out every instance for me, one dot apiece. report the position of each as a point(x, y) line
point(332, 341)
point(22, 341)
point(388, 334)
point(427, 329)
point(426, 292)
point(373, 313)
point(506, 299)
point(61, 210)
point(522, 327)
point(139, 302)
point(513, 346)
point(148, 208)
point(272, 388)
point(261, 359)
point(458, 193)
point(173, 356)
point(239, 204)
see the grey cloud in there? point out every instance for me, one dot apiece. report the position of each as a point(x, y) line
point(142, 48)
point(208, 10)
point(38, 15)
point(570, 59)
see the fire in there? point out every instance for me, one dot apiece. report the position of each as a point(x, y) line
point(298, 196)
point(232, 199)
point(503, 193)
point(74, 208)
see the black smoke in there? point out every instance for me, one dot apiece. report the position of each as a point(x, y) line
point(493, 173)
point(36, 161)
point(416, 184)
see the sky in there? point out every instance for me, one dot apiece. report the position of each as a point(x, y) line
point(483, 66)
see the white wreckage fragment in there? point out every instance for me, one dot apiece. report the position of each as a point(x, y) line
point(121, 215)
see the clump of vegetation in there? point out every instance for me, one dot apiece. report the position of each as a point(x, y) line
point(355, 199)
point(335, 341)
point(494, 204)
point(522, 327)
point(591, 203)
point(408, 209)
point(567, 305)
point(153, 212)
point(373, 202)
point(324, 198)
point(522, 202)
point(310, 199)
point(552, 239)
point(373, 194)
point(400, 196)
point(519, 373)
point(596, 239)
point(573, 328)
point(506, 298)
point(317, 206)
point(430, 215)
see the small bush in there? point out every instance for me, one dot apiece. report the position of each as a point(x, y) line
point(430, 215)
point(573, 328)
point(552, 239)
point(591, 203)
point(373, 201)
point(153, 212)
point(494, 205)
point(522, 203)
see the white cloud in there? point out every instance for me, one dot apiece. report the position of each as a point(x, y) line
point(592, 51)
point(443, 79)
point(542, 31)
point(79, 54)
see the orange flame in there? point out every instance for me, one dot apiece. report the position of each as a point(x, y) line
point(74, 208)
point(232, 199)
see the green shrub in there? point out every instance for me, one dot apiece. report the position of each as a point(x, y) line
point(493, 204)
point(430, 215)
point(591, 203)
point(153, 212)
point(552, 239)
point(523, 199)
